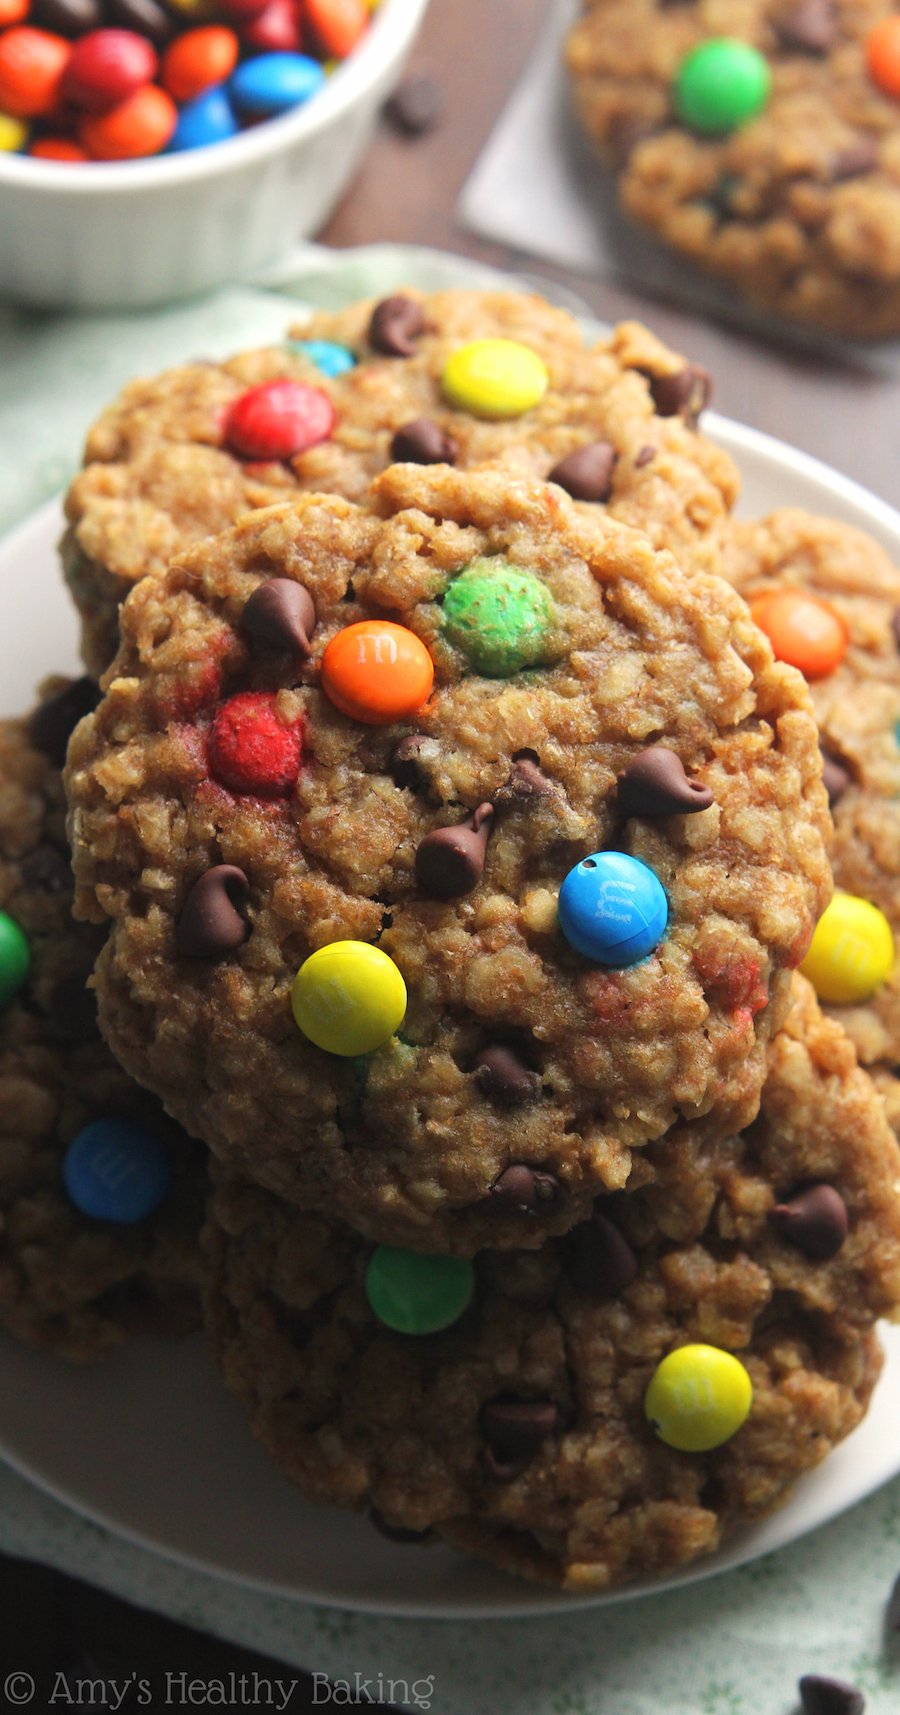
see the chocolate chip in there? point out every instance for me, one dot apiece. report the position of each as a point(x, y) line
point(395, 326)
point(603, 1262)
point(821, 1696)
point(280, 614)
point(526, 780)
point(212, 920)
point(655, 784)
point(450, 861)
point(145, 16)
point(836, 776)
point(68, 17)
point(718, 199)
point(808, 25)
point(47, 869)
point(814, 1221)
point(586, 473)
point(645, 456)
point(397, 1532)
point(892, 1615)
point(416, 106)
point(423, 442)
point(73, 1009)
point(514, 1430)
point(416, 749)
point(681, 394)
point(859, 157)
point(54, 721)
point(524, 1190)
point(500, 1073)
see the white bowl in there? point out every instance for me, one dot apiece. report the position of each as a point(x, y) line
point(123, 235)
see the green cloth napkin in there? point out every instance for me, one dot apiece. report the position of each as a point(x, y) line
point(734, 1645)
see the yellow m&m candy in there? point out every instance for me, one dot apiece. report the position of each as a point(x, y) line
point(852, 951)
point(13, 134)
point(348, 998)
point(494, 378)
point(698, 1398)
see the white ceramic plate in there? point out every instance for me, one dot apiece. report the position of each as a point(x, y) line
point(150, 1445)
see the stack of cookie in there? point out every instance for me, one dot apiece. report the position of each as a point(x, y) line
point(447, 836)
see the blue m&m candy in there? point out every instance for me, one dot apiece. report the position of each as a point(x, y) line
point(273, 83)
point(116, 1171)
point(209, 118)
point(612, 909)
point(329, 357)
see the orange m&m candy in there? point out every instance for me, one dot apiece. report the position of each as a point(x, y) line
point(57, 149)
point(883, 56)
point(31, 65)
point(13, 12)
point(142, 125)
point(377, 672)
point(198, 59)
point(338, 24)
point(804, 631)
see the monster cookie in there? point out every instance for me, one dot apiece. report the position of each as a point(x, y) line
point(459, 378)
point(435, 961)
point(828, 597)
point(616, 1403)
point(759, 138)
point(100, 1195)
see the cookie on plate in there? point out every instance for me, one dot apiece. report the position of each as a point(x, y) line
point(759, 139)
point(535, 915)
point(829, 599)
point(518, 1429)
point(187, 453)
point(73, 1281)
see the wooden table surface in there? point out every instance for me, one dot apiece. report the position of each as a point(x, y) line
point(407, 191)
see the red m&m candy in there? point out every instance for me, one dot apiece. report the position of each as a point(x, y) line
point(277, 29)
point(278, 420)
point(57, 149)
point(105, 67)
point(31, 66)
point(251, 749)
point(199, 59)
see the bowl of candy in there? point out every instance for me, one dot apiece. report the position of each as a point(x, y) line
point(154, 149)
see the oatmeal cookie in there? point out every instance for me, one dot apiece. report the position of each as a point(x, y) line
point(608, 744)
point(162, 466)
point(519, 1432)
point(857, 705)
point(755, 137)
point(71, 1283)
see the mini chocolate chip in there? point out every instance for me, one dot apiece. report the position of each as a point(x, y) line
point(500, 1073)
point(587, 472)
point(396, 324)
point(48, 869)
point(814, 1220)
point(821, 1696)
point(423, 442)
point(397, 1532)
point(836, 776)
point(892, 1615)
point(450, 861)
point(280, 614)
point(514, 1430)
point(603, 1262)
point(73, 1009)
point(416, 749)
point(526, 780)
point(645, 456)
point(808, 25)
point(524, 1190)
point(655, 784)
point(416, 106)
point(212, 920)
point(53, 722)
point(859, 157)
point(681, 394)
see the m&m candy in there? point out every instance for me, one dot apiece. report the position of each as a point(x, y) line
point(377, 672)
point(278, 420)
point(15, 958)
point(613, 909)
point(332, 359)
point(883, 56)
point(417, 1294)
point(31, 66)
point(13, 133)
point(198, 60)
point(142, 125)
point(721, 84)
point(208, 119)
point(348, 998)
point(273, 83)
point(495, 378)
point(105, 67)
point(499, 615)
point(698, 1398)
point(337, 24)
point(251, 749)
point(851, 952)
point(803, 630)
point(115, 1171)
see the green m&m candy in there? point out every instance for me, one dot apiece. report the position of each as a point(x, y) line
point(721, 84)
point(15, 959)
point(416, 1294)
point(499, 616)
